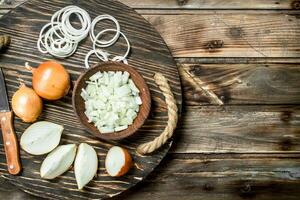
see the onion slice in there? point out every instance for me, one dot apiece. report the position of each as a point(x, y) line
point(59, 37)
point(41, 137)
point(85, 165)
point(58, 161)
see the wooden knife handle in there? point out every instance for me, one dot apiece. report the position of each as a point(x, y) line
point(10, 143)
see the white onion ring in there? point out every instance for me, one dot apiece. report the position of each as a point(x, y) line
point(61, 39)
point(54, 44)
point(102, 53)
point(116, 58)
point(110, 42)
point(63, 16)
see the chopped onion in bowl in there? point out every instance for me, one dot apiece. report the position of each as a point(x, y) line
point(112, 101)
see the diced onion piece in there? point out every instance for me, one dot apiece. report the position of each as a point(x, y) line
point(132, 86)
point(122, 91)
point(104, 129)
point(111, 101)
point(96, 76)
point(121, 128)
point(138, 100)
point(125, 77)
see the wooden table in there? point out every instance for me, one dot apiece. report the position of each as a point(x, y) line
point(248, 53)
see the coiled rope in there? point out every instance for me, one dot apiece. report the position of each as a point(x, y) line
point(167, 133)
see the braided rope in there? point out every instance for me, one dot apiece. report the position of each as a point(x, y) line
point(4, 41)
point(151, 146)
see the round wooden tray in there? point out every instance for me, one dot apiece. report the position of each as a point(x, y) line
point(149, 54)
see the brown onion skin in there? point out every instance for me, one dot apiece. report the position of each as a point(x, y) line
point(26, 104)
point(50, 80)
point(127, 165)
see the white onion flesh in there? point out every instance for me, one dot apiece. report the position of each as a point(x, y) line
point(111, 101)
point(67, 29)
point(59, 37)
point(85, 165)
point(116, 163)
point(101, 43)
point(58, 161)
point(41, 137)
point(116, 58)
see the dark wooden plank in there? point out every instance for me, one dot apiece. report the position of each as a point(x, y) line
point(196, 4)
point(212, 4)
point(238, 129)
point(9, 4)
point(149, 55)
point(223, 178)
point(239, 60)
point(212, 129)
point(229, 33)
point(242, 83)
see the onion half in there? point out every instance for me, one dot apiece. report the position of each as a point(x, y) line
point(41, 137)
point(118, 161)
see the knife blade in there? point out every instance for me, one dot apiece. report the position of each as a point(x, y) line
point(10, 142)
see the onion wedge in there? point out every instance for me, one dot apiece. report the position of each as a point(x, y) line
point(85, 165)
point(58, 161)
point(41, 137)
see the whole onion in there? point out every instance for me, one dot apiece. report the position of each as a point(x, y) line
point(26, 104)
point(50, 80)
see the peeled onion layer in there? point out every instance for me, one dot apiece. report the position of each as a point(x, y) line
point(41, 137)
point(86, 164)
point(58, 161)
point(118, 161)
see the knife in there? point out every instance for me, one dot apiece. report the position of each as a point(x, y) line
point(10, 142)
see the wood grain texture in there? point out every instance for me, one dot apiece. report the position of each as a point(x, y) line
point(196, 4)
point(229, 33)
point(215, 5)
point(218, 177)
point(10, 4)
point(225, 33)
point(239, 129)
point(242, 83)
point(149, 55)
point(239, 60)
point(188, 172)
point(212, 176)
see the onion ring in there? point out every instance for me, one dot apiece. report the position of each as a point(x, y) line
point(116, 58)
point(59, 37)
point(103, 53)
point(110, 42)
